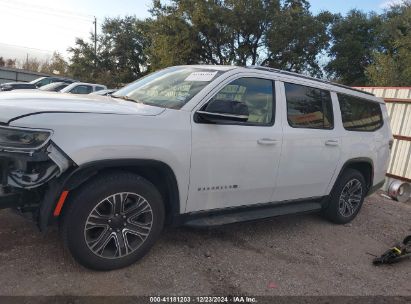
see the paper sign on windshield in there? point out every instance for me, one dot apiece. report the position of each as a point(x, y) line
point(201, 76)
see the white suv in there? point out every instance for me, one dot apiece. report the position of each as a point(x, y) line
point(188, 145)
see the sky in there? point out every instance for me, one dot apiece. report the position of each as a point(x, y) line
point(38, 28)
point(343, 7)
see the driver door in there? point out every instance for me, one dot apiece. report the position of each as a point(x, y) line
point(235, 161)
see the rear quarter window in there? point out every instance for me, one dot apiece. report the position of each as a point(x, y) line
point(359, 114)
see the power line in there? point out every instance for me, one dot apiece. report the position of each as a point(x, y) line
point(45, 10)
point(25, 47)
point(71, 29)
point(61, 11)
point(29, 10)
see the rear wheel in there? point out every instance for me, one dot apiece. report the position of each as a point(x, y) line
point(113, 221)
point(347, 197)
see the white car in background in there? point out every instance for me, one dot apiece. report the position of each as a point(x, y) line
point(83, 88)
point(107, 92)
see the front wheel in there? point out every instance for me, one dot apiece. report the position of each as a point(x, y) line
point(347, 197)
point(113, 221)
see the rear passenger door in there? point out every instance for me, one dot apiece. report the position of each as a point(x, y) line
point(311, 145)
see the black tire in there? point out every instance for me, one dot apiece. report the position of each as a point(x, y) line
point(88, 205)
point(338, 210)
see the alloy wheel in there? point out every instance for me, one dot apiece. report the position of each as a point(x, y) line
point(350, 198)
point(118, 225)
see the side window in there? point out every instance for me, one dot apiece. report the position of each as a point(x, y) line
point(82, 89)
point(255, 95)
point(308, 107)
point(60, 87)
point(360, 114)
point(43, 82)
point(98, 88)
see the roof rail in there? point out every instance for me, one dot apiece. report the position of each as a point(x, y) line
point(262, 68)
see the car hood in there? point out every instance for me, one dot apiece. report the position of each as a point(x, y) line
point(16, 104)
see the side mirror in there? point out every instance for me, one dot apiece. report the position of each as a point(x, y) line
point(223, 111)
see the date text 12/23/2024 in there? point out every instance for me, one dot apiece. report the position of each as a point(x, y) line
point(204, 299)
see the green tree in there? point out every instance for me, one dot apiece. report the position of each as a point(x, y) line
point(189, 32)
point(120, 58)
point(83, 62)
point(277, 33)
point(296, 38)
point(10, 63)
point(251, 22)
point(355, 38)
point(392, 66)
point(122, 52)
point(31, 64)
point(56, 65)
point(173, 42)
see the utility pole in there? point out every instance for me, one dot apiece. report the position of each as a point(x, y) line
point(95, 36)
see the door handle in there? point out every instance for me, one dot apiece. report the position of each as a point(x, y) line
point(267, 141)
point(331, 142)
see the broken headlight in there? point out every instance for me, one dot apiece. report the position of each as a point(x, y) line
point(23, 139)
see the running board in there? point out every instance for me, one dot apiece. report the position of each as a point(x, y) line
point(250, 214)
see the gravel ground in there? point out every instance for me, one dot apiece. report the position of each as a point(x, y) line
point(291, 255)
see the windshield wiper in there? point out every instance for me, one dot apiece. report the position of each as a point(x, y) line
point(125, 97)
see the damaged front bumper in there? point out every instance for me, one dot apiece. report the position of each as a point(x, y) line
point(31, 169)
point(24, 174)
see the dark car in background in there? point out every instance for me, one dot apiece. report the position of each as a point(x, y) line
point(54, 87)
point(34, 84)
point(10, 86)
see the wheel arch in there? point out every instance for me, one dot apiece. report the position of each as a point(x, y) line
point(364, 165)
point(157, 172)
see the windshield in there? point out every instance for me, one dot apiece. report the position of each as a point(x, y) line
point(68, 88)
point(50, 86)
point(37, 80)
point(170, 88)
